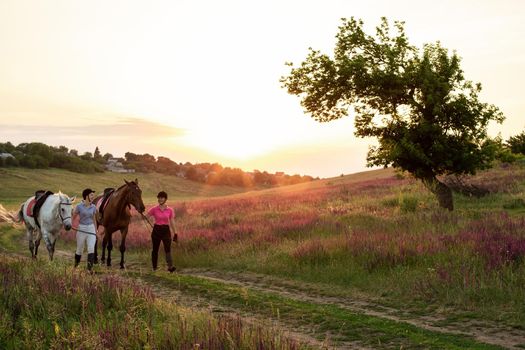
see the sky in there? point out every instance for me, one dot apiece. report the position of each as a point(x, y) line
point(198, 80)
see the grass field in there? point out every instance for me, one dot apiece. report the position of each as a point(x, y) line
point(364, 260)
point(18, 184)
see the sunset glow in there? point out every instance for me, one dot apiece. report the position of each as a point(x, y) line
point(199, 81)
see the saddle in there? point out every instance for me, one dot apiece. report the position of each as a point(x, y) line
point(104, 202)
point(33, 208)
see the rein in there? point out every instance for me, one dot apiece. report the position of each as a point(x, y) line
point(69, 217)
point(79, 230)
point(145, 218)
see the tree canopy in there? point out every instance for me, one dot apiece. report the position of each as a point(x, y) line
point(427, 118)
point(516, 143)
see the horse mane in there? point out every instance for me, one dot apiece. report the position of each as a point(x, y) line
point(63, 196)
point(125, 184)
point(122, 187)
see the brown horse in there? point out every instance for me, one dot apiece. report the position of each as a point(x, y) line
point(117, 215)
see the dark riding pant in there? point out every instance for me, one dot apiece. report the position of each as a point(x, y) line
point(161, 233)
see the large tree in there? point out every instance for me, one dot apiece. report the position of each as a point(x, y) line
point(428, 120)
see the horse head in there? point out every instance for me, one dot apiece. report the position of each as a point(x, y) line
point(134, 195)
point(65, 209)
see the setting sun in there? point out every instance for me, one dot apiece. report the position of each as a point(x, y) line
point(201, 83)
point(229, 142)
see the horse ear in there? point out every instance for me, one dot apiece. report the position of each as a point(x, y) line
point(127, 183)
point(136, 181)
point(73, 199)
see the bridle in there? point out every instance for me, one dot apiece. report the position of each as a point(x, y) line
point(60, 211)
point(133, 191)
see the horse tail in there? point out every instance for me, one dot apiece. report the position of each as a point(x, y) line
point(20, 215)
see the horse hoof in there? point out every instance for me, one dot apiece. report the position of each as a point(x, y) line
point(122, 267)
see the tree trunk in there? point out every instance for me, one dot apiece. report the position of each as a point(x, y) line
point(441, 191)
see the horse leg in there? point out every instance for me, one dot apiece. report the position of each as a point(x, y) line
point(95, 260)
point(49, 245)
point(110, 248)
point(104, 244)
point(32, 248)
point(53, 248)
point(37, 239)
point(29, 235)
point(45, 236)
point(37, 244)
point(124, 233)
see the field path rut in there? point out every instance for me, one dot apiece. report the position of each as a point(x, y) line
point(484, 332)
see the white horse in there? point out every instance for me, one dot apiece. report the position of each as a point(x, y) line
point(55, 212)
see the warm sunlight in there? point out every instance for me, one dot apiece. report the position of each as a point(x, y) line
point(263, 174)
point(199, 83)
point(230, 142)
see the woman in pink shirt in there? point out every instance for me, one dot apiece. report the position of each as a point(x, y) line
point(164, 219)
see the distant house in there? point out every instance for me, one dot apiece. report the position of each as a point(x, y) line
point(116, 166)
point(6, 155)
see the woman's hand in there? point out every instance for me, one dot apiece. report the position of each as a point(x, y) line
point(172, 226)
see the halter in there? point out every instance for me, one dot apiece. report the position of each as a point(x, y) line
point(128, 196)
point(60, 211)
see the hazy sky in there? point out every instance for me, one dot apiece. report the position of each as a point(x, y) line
point(199, 80)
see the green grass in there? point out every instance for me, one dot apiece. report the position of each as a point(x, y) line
point(343, 324)
point(379, 241)
point(18, 184)
point(52, 305)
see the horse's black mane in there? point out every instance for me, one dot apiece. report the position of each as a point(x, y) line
point(131, 182)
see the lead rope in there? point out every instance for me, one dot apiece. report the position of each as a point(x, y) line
point(145, 218)
point(79, 230)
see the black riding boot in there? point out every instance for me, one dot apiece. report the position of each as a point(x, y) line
point(169, 262)
point(90, 261)
point(77, 259)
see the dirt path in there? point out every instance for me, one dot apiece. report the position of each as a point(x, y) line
point(301, 335)
point(484, 332)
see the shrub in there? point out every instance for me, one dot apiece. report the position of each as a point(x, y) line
point(408, 204)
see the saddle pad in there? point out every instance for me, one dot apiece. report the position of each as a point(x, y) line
point(102, 203)
point(98, 203)
point(29, 209)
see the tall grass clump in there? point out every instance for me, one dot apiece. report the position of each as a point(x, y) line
point(45, 306)
point(481, 267)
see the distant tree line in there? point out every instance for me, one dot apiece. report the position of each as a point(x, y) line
point(511, 150)
point(36, 155)
point(209, 173)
